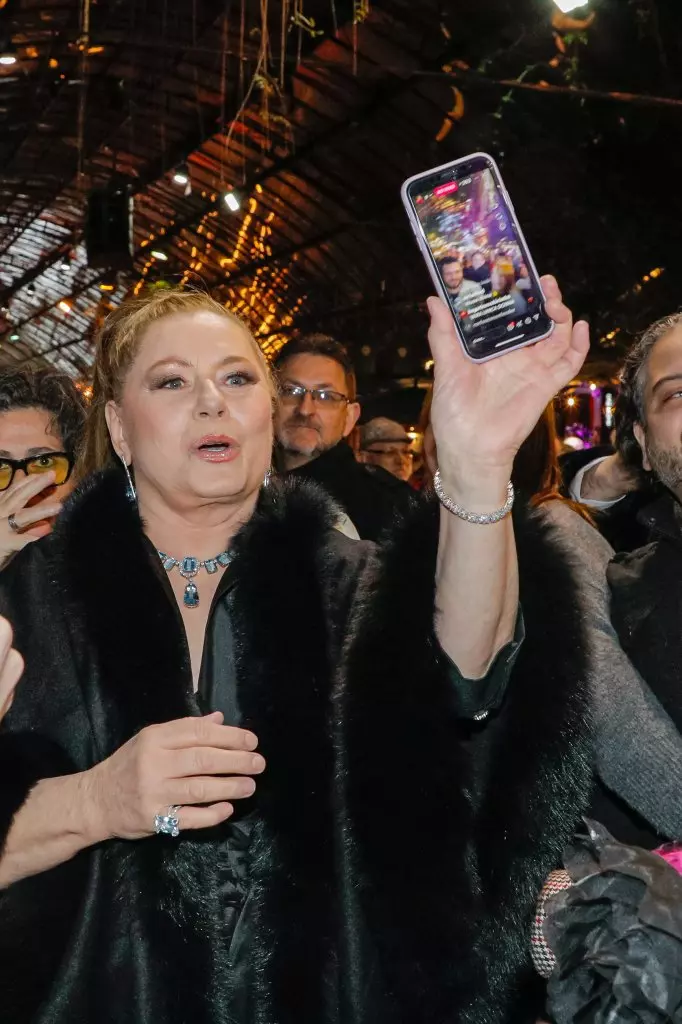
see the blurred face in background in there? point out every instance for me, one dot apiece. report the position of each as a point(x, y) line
point(308, 425)
point(393, 456)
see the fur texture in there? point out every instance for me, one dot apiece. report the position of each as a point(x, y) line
point(397, 851)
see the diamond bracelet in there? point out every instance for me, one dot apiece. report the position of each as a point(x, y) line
point(473, 517)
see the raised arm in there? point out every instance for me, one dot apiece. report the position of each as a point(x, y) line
point(481, 415)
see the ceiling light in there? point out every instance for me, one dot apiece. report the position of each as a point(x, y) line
point(231, 201)
point(159, 254)
point(109, 282)
point(64, 264)
point(8, 57)
point(14, 337)
point(64, 306)
point(567, 6)
point(181, 174)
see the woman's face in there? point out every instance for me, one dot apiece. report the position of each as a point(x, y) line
point(195, 416)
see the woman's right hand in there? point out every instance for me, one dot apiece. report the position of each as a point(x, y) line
point(30, 521)
point(198, 764)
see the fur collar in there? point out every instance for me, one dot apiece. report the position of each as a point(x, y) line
point(398, 851)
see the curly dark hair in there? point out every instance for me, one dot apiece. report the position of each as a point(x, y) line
point(630, 408)
point(317, 344)
point(49, 390)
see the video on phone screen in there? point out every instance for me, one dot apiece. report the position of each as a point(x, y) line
point(473, 241)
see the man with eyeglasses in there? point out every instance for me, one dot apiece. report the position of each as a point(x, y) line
point(41, 423)
point(385, 446)
point(316, 413)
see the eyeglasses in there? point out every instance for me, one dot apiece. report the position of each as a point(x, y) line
point(404, 453)
point(296, 393)
point(60, 463)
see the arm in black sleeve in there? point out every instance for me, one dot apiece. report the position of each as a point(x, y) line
point(476, 698)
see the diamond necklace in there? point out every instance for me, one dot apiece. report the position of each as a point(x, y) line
point(188, 567)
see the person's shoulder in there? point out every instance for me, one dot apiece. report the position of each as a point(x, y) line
point(581, 532)
point(629, 566)
point(348, 554)
point(386, 479)
point(33, 560)
point(27, 582)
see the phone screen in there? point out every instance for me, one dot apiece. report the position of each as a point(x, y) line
point(480, 257)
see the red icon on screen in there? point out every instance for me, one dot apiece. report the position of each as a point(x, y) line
point(444, 190)
point(420, 199)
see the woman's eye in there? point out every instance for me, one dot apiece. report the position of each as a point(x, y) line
point(240, 379)
point(171, 383)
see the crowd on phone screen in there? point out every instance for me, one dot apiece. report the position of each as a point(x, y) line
point(484, 271)
point(590, 675)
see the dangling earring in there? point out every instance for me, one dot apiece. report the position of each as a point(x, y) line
point(267, 478)
point(131, 493)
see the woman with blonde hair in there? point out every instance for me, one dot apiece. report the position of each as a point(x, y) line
point(238, 782)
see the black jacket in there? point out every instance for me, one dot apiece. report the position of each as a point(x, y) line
point(397, 850)
point(373, 503)
point(646, 611)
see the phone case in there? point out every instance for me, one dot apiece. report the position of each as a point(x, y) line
point(424, 249)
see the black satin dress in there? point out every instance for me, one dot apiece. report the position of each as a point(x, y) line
point(217, 691)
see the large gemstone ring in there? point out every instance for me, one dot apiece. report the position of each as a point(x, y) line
point(167, 824)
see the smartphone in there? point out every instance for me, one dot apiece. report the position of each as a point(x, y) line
point(468, 233)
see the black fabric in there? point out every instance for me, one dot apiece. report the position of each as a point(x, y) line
point(646, 611)
point(395, 852)
point(217, 689)
point(373, 505)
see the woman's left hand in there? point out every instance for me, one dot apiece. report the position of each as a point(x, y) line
point(483, 412)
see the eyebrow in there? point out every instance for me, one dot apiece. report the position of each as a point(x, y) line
point(176, 361)
point(671, 378)
point(316, 387)
point(42, 450)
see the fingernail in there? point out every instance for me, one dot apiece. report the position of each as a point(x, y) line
point(251, 741)
point(217, 715)
point(258, 763)
point(429, 304)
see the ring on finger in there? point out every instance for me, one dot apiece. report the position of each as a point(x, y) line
point(167, 824)
point(13, 524)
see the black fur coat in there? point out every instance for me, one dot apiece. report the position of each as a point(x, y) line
point(398, 850)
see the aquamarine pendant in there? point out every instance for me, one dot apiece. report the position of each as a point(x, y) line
point(189, 566)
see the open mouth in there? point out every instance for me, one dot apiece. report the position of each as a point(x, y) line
point(216, 449)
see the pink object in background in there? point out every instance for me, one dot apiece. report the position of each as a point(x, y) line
point(673, 855)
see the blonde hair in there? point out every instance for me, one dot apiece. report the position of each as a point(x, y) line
point(117, 345)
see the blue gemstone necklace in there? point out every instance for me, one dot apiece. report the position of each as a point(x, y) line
point(188, 567)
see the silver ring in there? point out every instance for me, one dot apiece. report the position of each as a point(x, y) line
point(13, 524)
point(167, 824)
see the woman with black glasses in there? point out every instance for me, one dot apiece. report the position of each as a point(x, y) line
point(41, 423)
